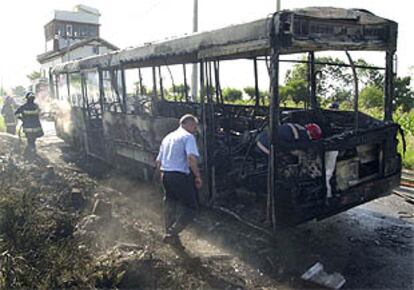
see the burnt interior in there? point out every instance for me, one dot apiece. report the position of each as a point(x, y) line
point(241, 169)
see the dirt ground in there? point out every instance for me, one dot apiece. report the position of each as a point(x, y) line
point(370, 245)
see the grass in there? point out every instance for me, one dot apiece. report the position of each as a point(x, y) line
point(408, 159)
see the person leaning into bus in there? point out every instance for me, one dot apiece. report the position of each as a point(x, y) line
point(180, 177)
point(8, 114)
point(290, 132)
point(29, 114)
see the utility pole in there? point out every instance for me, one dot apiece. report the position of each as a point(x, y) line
point(194, 76)
point(277, 5)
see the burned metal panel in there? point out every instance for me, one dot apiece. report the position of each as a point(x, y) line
point(330, 28)
point(362, 193)
point(248, 49)
point(137, 137)
point(130, 135)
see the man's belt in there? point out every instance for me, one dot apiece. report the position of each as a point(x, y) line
point(174, 172)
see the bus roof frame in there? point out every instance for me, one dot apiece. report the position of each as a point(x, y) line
point(253, 39)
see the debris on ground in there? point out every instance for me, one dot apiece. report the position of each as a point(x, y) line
point(317, 275)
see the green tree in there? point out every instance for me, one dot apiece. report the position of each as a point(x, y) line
point(232, 94)
point(180, 89)
point(18, 91)
point(331, 79)
point(369, 76)
point(251, 92)
point(299, 89)
point(284, 93)
point(403, 93)
point(295, 90)
point(175, 93)
point(34, 75)
point(371, 97)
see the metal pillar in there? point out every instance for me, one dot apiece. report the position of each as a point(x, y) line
point(312, 80)
point(194, 76)
point(185, 83)
point(274, 112)
point(124, 91)
point(356, 92)
point(101, 90)
point(68, 87)
point(389, 86)
point(161, 84)
point(141, 86)
point(256, 84)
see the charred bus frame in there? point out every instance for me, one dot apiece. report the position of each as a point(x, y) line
point(297, 190)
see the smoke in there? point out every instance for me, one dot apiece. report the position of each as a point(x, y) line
point(63, 116)
point(44, 100)
point(147, 197)
point(59, 110)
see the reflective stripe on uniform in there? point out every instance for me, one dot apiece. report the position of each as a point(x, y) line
point(31, 112)
point(10, 124)
point(263, 148)
point(32, 130)
point(294, 130)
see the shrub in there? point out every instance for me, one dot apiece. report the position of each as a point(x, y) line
point(231, 94)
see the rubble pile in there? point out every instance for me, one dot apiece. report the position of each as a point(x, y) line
point(59, 230)
point(41, 208)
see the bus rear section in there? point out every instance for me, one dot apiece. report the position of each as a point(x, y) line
point(346, 168)
point(315, 180)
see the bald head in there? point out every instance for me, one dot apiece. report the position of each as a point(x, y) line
point(189, 123)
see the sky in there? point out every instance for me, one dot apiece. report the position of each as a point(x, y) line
point(133, 22)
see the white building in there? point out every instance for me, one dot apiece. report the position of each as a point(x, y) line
point(72, 35)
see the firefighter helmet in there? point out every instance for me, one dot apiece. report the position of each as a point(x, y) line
point(29, 95)
point(314, 131)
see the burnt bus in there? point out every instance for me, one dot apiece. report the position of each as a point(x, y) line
point(356, 160)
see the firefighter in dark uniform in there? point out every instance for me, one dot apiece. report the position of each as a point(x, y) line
point(29, 114)
point(8, 114)
point(290, 133)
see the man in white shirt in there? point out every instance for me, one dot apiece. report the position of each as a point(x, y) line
point(180, 176)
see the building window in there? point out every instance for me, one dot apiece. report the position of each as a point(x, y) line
point(59, 31)
point(69, 30)
point(95, 49)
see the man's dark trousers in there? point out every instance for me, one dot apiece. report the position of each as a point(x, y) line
point(180, 201)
